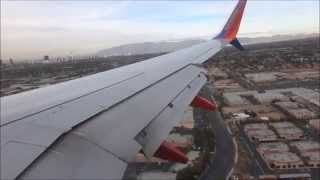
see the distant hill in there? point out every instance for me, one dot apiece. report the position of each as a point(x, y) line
point(147, 48)
point(276, 38)
point(168, 46)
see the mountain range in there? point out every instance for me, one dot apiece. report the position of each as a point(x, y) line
point(169, 46)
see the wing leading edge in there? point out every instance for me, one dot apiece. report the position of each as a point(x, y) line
point(93, 126)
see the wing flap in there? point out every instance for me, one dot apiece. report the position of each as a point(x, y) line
point(73, 157)
point(117, 128)
point(30, 134)
point(156, 132)
point(15, 156)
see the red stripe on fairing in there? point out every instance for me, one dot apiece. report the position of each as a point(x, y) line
point(171, 152)
point(203, 103)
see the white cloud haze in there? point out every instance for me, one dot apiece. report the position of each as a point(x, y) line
point(31, 29)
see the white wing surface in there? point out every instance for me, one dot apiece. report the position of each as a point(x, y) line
point(90, 128)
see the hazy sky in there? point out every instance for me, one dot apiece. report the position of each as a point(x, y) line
point(35, 28)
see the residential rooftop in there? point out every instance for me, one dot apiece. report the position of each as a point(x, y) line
point(287, 105)
point(255, 126)
point(273, 147)
point(306, 146)
point(262, 135)
point(309, 95)
point(312, 156)
point(283, 157)
point(301, 114)
point(284, 124)
point(290, 133)
point(315, 124)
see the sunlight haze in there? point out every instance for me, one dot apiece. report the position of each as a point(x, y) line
point(31, 29)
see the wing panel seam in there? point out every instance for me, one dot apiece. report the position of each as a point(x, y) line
point(71, 100)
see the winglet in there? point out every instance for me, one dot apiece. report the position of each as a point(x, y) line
point(230, 30)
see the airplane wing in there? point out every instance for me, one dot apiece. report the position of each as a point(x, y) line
point(90, 128)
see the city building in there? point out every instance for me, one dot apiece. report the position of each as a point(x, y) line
point(187, 121)
point(255, 126)
point(312, 159)
point(262, 112)
point(306, 146)
point(227, 85)
point(217, 73)
point(263, 77)
point(262, 135)
point(301, 114)
point(11, 61)
point(46, 58)
point(283, 160)
point(311, 96)
point(240, 116)
point(268, 97)
point(234, 99)
point(259, 132)
point(287, 105)
point(296, 176)
point(140, 158)
point(310, 151)
point(281, 125)
point(159, 175)
point(295, 110)
point(268, 116)
point(293, 176)
point(268, 177)
point(273, 147)
point(192, 156)
point(288, 131)
point(315, 125)
point(264, 118)
point(180, 140)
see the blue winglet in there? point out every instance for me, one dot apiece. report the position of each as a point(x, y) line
point(237, 44)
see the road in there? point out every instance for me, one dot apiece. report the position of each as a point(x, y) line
point(258, 166)
point(223, 159)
